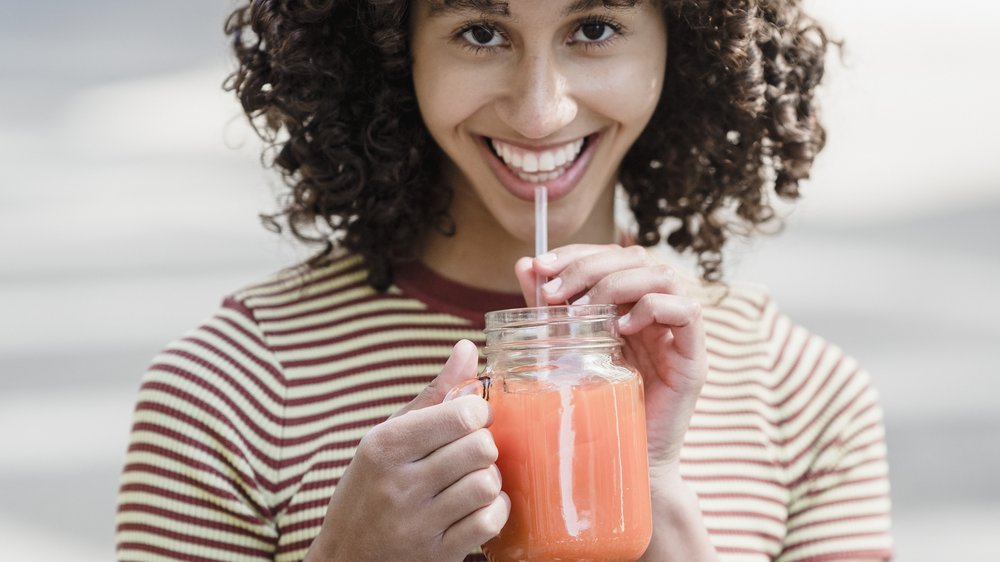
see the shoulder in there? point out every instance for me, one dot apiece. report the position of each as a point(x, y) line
point(341, 273)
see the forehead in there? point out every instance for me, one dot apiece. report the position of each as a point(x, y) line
point(502, 7)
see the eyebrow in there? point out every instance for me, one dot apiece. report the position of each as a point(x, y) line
point(500, 8)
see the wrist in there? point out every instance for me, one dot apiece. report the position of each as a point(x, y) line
point(679, 531)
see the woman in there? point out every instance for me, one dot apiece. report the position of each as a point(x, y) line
point(412, 135)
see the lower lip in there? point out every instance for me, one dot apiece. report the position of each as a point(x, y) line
point(556, 188)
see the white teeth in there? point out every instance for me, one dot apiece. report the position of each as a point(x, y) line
point(530, 163)
point(546, 163)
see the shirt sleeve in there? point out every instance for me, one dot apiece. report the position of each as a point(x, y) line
point(839, 506)
point(201, 465)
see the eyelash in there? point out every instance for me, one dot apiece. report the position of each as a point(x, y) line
point(616, 27)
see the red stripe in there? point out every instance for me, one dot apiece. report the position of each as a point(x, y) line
point(849, 555)
point(434, 364)
point(301, 525)
point(224, 375)
point(172, 554)
point(740, 496)
point(302, 544)
point(246, 480)
point(239, 307)
point(365, 297)
point(284, 285)
point(223, 418)
point(356, 317)
point(395, 329)
point(856, 499)
point(201, 503)
point(764, 369)
point(746, 533)
point(837, 441)
point(396, 345)
point(743, 515)
point(839, 537)
point(855, 517)
point(742, 550)
point(192, 539)
point(334, 264)
point(751, 329)
point(847, 483)
point(357, 388)
point(188, 519)
point(160, 472)
point(214, 385)
point(824, 430)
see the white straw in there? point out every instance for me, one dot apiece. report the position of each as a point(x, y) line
point(541, 235)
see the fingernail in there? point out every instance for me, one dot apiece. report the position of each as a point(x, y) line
point(585, 299)
point(625, 319)
point(548, 257)
point(552, 286)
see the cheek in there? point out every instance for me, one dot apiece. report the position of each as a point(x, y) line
point(447, 96)
point(628, 93)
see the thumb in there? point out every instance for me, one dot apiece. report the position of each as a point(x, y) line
point(462, 365)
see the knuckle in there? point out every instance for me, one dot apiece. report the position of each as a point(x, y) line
point(469, 416)
point(638, 252)
point(486, 486)
point(664, 271)
point(490, 521)
point(486, 447)
point(645, 301)
point(372, 448)
point(693, 308)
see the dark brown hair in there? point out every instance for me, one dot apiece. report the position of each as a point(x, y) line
point(327, 84)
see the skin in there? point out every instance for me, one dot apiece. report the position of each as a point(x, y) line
point(426, 479)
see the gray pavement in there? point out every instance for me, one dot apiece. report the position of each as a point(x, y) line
point(128, 208)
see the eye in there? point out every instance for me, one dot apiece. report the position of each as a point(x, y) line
point(483, 36)
point(594, 32)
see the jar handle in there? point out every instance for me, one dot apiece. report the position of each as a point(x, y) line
point(480, 386)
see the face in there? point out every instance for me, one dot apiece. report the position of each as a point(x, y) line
point(524, 93)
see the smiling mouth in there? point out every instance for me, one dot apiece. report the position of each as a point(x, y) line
point(538, 165)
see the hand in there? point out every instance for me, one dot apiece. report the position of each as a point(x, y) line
point(662, 328)
point(423, 485)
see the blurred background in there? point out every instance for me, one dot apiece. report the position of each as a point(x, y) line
point(130, 188)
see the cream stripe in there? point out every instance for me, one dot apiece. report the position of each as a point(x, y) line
point(390, 318)
point(184, 547)
point(260, 540)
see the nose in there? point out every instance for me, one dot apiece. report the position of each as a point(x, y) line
point(538, 101)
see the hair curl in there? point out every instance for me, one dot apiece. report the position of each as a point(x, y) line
point(327, 85)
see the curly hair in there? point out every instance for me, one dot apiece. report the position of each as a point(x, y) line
point(327, 84)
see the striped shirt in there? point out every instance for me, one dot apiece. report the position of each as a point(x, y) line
point(243, 427)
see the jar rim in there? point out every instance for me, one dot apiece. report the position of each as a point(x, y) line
point(512, 317)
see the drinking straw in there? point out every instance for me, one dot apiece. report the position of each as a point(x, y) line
point(541, 235)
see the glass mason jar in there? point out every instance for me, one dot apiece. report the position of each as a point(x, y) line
point(570, 427)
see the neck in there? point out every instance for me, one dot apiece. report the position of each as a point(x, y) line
point(482, 253)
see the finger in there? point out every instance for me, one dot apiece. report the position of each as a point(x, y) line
point(473, 491)
point(579, 275)
point(527, 278)
point(477, 527)
point(461, 366)
point(418, 433)
point(681, 314)
point(629, 285)
point(451, 462)
point(553, 262)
